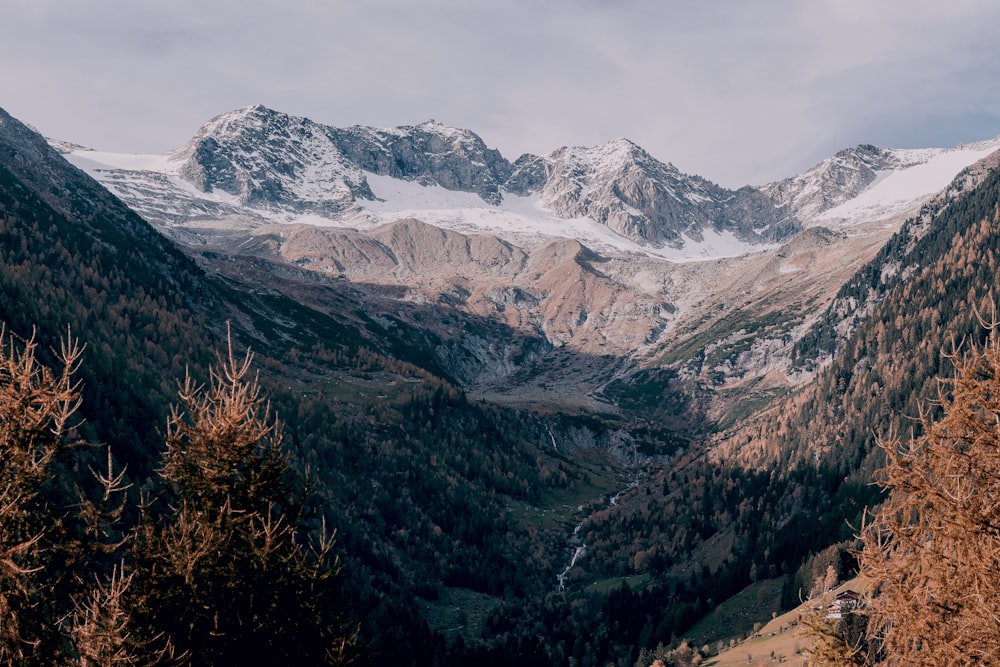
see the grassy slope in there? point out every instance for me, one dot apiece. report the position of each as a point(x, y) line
point(782, 636)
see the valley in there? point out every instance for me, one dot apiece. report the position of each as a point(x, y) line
point(559, 409)
point(564, 275)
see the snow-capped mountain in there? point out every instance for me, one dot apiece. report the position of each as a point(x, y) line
point(867, 183)
point(624, 187)
point(267, 160)
point(255, 166)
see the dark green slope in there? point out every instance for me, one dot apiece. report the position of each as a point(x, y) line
point(418, 481)
point(767, 495)
point(73, 257)
point(821, 442)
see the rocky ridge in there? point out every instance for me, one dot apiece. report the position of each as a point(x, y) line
point(624, 187)
point(814, 195)
point(833, 181)
point(256, 165)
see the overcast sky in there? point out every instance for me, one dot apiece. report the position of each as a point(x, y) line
point(737, 91)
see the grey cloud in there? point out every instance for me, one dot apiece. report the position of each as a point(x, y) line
point(739, 92)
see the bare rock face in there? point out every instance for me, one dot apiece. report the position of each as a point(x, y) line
point(268, 160)
point(515, 324)
point(560, 291)
point(429, 153)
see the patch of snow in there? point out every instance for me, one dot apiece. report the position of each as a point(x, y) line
point(895, 192)
point(790, 267)
point(91, 160)
point(215, 195)
point(525, 219)
point(401, 196)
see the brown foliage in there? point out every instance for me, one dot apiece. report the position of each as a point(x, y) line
point(35, 408)
point(933, 550)
point(52, 540)
point(835, 641)
point(227, 575)
point(223, 576)
point(101, 624)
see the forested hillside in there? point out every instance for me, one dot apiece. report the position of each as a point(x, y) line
point(887, 373)
point(73, 257)
point(772, 494)
point(416, 480)
point(454, 518)
point(943, 282)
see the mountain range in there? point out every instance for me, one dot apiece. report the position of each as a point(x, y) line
point(559, 409)
point(259, 165)
point(602, 261)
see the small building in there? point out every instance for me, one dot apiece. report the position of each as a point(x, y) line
point(844, 602)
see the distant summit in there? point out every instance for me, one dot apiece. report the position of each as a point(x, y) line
point(622, 186)
point(867, 182)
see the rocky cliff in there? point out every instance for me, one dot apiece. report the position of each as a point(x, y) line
point(622, 186)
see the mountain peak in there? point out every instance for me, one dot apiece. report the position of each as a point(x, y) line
point(454, 138)
point(625, 145)
point(430, 153)
point(647, 201)
point(883, 181)
point(255, 118)
point(619, 151)
point(430, 122)
point(266, 159)
point(236, 114)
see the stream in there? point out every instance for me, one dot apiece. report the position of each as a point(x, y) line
point(579, 548)
point(576, 543)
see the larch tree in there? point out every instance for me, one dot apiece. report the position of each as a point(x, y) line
point(35, 408)
point(226, 574)
point(932, 551)
point(53, 538)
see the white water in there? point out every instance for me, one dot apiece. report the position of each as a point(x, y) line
point(578, 545)
point(578, 553)
point(555, 446)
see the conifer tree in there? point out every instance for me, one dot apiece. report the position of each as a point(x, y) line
point(52, 537)
point(224, 576)
point(932, 551)
point(35, 408)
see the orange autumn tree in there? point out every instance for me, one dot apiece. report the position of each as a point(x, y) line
point(35, 408)
point(932, 552)
point(55, 541)
point(227, 574)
